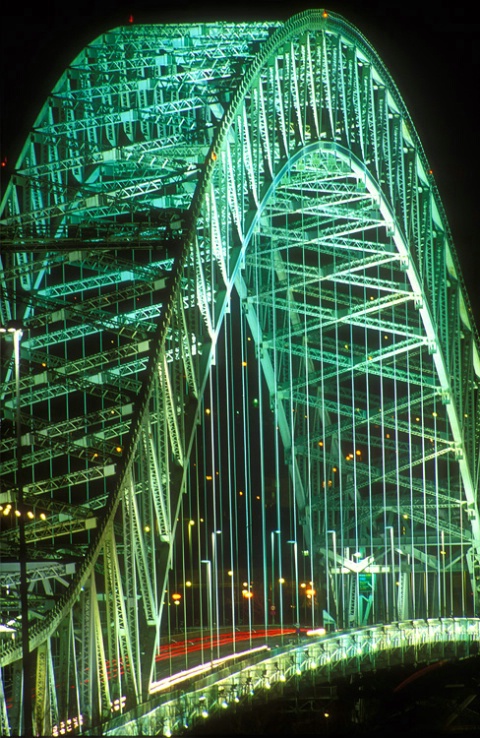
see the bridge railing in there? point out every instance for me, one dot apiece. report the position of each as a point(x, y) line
point(197, 694)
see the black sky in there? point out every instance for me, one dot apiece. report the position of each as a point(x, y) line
point(432, 54)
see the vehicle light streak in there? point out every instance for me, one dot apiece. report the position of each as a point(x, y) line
point(202, 669)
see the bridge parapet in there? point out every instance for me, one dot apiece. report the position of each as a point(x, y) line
point(196, 696)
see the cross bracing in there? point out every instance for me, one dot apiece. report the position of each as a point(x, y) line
point(248, 360)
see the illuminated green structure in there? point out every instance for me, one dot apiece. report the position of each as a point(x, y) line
point(248, 368)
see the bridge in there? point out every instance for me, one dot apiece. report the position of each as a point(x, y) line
point(239, 382)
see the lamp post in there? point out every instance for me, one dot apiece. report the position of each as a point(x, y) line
point(191, 524)
point(392, 565)
point(209, 603)
point(295, 577)
point(333, 533)
point(273, 533)
point(14, 330)
point(443, 554)
point(215, 584)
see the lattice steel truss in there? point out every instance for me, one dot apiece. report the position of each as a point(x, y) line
point(187, 189)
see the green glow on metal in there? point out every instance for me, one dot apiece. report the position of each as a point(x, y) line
point(242, 308)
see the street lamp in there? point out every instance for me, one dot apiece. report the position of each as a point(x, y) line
point(295, 564)
point(190, 527)
point(208, 564)
point(14, 330)
point(333, 533)
point(215, 582)
point(273, 533)
point(443, 555)
point(392, 564)
point(191, 523)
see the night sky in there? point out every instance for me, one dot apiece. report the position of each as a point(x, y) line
point(434, 57)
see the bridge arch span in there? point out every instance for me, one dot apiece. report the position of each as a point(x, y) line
point(194, 201)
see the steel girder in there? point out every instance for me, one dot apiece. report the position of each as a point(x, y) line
point(171, 167)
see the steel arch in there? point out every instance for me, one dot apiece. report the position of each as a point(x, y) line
point(172, 164)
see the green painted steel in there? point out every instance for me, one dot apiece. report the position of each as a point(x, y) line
point(248, 364)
